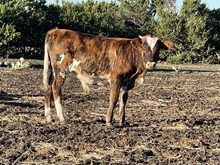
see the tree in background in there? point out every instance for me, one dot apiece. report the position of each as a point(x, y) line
point(188, 29)
point(28, 21)
point(7, 29)
point(167, 25)
point(90, 16)
point(214, 40)
point(194, 16)
point(32, 23)
point(136, 17)
point(194, 28)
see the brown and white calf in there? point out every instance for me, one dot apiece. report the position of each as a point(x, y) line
point(122, 61)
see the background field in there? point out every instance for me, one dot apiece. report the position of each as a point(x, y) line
point(174, 118)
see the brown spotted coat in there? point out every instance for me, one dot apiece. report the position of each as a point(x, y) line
point(122, 61)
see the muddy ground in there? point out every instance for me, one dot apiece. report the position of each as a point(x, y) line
point(173, 118)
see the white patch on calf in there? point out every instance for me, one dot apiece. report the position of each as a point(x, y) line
point(61, 58)
point(115, 54)
point(85, 81)
point(150, 65)
point(54, 73)
point(84, 78)
point(139, 81)
point(151, 41)
point(48, 114)
point(74, 65)
point(63, 74)
point(59, 109)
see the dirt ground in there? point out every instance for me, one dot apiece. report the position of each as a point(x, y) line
point(173, 118)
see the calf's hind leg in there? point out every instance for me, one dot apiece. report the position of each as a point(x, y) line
point(48, 98)
point(60, 69)
point(48, 102)
point(57, 91)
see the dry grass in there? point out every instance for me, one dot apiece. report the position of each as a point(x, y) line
point(190, 67)
point(215, 98)
point(176, 126)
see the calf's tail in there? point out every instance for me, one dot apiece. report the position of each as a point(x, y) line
point(47, 72)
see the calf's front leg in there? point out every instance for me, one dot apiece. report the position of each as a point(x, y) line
point(123, 101)
point(114, 95)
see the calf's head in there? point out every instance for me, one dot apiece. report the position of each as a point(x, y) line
point(152, 45)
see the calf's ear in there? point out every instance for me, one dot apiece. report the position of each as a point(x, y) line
point(136, 42)
point(167, 44)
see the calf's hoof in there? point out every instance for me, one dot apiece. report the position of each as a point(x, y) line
point(49, 119)
point(62, 121)
point(109, 125)
point(123, 124)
